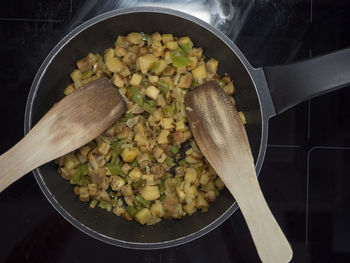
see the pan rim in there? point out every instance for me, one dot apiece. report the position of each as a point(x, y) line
point(28, 123)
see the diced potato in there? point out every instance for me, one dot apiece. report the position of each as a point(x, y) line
point(157, 115)
point(157, 209)
point(169, 71)
point(210, 186)
point(187, 135)
point(129, 200)
point(241, 115)
point(190, 209)
point(120, 51)
point(135, 174)
point(104, 148)
point(129, 154)
point(163, 136)
point(184, 40)
point(156, 37)
point(199, 73)
point(219, 183)
point(191, 191)
point(178, 137)
point(126, 168)
point(149, 179)
point(118, 210)
point(185, 81)
point(122, 41)
point(84, 194)
point(152, 92)
point(198, 52)
point(76, 189)
point(210, 196)
point(117, 81)
point(200, 201)
point(134, 38)
point(84, 64)
point(130, 58)
point(127, 190)
point(103, 195)
point(146, 62)
point(116, 182)
point(193, 64)
point(204, 179)
point(150, 192)
point(123, 133)
point(157, 48)
point(167, 123)
point(180, 194)
point(190, 175)
point(76, 77)
point(180, 126)
point(212, 65)
point(68, 90)
point(92, 188)
point(139, 128)
point(162, 65)
point(229, 88)
point(158, 153)
point(143, 216)
point(167, 57)
point(114, 65)
point(125, 72)
point(71, 161)
point(134, 49)
point(141, 139)
point(135, 80)
point(161, 100)
point(153, 79)
point(171, 45)
point(167, 37)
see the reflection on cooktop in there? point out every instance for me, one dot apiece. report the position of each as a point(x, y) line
point(305, 174)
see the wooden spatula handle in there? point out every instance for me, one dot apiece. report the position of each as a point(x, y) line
point(270, 242)
point(26, 155)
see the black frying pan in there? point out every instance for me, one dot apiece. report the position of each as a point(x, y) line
point(261, 93)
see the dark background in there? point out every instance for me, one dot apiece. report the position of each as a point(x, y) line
point(306, 174)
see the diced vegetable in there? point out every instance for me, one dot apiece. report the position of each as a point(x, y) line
point(143, 216)
point(199, 73)
point(146, 166)
point(136, 95)
point(129, 154)
point(163, 87)
point(152, 92)
point(135, 79)
point(150, 192)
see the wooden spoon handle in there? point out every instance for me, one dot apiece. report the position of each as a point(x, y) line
point(270, 242)
point(26, 155)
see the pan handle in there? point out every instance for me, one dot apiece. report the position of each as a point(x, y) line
point(294, 83)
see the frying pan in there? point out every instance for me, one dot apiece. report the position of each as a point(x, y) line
point(261, 93)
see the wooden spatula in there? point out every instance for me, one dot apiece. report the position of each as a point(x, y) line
point(72, 122)
point(220, 135)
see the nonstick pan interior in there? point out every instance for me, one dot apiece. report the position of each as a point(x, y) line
point(48, 88)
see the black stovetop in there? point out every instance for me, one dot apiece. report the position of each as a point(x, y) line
point(306, 173)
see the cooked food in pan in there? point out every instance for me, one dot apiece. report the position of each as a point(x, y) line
point(146, 166)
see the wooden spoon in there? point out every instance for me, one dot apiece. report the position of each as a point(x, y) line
point(221, 136)
point(68, 125)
